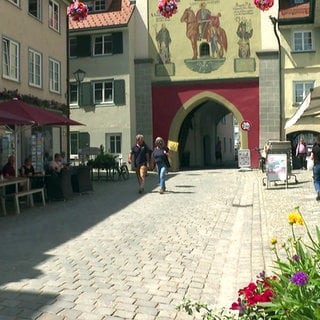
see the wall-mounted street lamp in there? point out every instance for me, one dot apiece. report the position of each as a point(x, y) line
point(79, 75)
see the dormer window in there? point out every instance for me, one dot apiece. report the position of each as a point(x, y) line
point(98, 5)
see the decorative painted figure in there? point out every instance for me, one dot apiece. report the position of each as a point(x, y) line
point(244, 32)
point(192, 29)
point(163, 38)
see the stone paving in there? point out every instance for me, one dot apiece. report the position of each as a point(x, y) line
point(115, 254)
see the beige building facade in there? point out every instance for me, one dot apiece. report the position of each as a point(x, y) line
point(34, 67)
point(103, 47)
point(299, 28)
point(237, 63)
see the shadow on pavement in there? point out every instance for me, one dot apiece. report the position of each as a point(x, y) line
point(27, 238)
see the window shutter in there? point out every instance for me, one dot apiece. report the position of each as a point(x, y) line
point(119, 92)
point(117, 45)
point(84, 140)
point(85, 94)
point(84, 46)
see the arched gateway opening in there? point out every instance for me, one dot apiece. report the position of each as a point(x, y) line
point(196, 128)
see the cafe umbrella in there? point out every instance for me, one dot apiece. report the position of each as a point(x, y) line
point(20, 114)
point(7, 119)
point(38, 116)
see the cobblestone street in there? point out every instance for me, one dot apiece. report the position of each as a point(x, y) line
point(115, 254)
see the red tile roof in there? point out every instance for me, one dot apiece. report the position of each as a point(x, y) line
point(119, 13)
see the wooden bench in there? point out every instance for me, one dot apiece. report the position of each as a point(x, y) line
point(29, 194)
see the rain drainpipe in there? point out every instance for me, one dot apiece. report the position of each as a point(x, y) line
point(275, 23)
point(68, 88)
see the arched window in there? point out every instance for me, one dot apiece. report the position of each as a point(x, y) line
point(204, 50)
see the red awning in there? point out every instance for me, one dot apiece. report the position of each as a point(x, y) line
point(33, 115)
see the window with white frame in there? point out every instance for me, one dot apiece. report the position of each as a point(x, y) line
point(54, 14)
point(35, 68)
point(73, 94)
point(113, 143)
point(103, 92)
point(10, 59)
point(16, 2)
point(302, 41)
point(301, 90)
point(54, 76)
point(102, 45)
point(34, 8)
point(98, 5)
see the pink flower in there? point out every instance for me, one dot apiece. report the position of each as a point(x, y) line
point(167, 7)
point(263, 4)
point(77, 10)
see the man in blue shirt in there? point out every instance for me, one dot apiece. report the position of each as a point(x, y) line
point(141, 156)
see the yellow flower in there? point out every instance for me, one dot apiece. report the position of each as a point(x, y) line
point(295, 217)
point(273, 241)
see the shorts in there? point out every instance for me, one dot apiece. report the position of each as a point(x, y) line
point(142, 170)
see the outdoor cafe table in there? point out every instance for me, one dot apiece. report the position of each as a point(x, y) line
point(11, 181)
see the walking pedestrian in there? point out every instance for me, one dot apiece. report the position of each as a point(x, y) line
point(301, 153)
point(9, 170)
point(140, 154)
point(219, 151)
point(315, 156)
point(160, 158)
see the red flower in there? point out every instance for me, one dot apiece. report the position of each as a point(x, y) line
point(263, 4)
point(167, 7)
point(253, 294)
point(77, 10)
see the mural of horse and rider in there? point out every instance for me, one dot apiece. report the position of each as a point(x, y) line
point(208, 39)
point(204, 26)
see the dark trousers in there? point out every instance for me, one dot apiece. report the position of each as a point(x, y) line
point(302, 160)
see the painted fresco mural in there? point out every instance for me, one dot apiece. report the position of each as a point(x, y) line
point(214, 39)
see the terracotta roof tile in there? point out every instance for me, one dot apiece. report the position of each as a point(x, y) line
point(119, 13)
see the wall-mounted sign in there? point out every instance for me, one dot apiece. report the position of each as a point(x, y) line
point(245, 125)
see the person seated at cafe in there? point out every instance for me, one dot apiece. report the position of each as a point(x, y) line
point(64, 159)
point(8, 169)
point(27, 169)
point(56, 164)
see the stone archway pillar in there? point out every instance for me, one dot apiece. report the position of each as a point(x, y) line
point(270, 96)
point(143, 99)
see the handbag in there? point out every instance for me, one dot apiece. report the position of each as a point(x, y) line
point(166, 161)
point(310, 164)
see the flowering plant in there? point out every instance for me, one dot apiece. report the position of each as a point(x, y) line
point(263, 4)
point(28, 98)
point(77, 10)
point(167, 7)
point(293, 292)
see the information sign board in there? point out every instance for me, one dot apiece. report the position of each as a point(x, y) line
point(277, 167)
point(244, 160)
